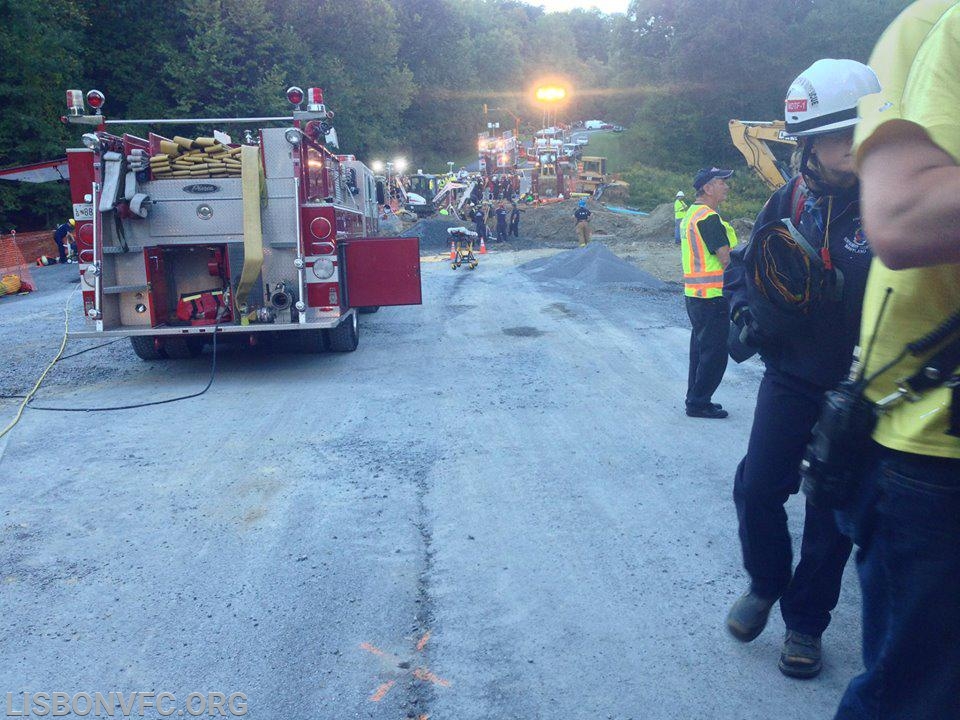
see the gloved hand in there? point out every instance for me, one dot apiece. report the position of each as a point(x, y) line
point(751, 333)
point(742, 340)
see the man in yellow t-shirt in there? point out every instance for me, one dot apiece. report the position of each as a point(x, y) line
point(906, 519)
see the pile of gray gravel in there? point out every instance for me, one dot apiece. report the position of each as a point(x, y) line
point(594, 263)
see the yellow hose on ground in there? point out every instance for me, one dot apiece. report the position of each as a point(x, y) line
point(63, 344)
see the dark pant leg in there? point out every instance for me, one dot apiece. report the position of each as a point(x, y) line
point(60, 249)
point(815, 588)
point(711, 322)
point(515, 230)
point(909, 566)
point(694, 361)
point(501, 233)
point(786, 411)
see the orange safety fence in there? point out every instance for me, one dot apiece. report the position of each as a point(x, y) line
point(19, 252)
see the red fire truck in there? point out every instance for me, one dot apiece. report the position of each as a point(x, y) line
point(271, 236)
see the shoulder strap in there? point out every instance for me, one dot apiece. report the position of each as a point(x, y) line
point(798, 197)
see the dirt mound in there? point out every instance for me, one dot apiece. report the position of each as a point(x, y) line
point(591, 264)
point(554, 222)
point(433, 233)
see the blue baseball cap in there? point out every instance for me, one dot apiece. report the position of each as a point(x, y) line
point(582, 202)
point(705, 175)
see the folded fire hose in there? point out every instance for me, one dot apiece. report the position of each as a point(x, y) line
point(252, 192)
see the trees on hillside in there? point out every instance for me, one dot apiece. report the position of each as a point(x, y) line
point(412, 75)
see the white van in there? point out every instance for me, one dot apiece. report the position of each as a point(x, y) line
point(593, 124)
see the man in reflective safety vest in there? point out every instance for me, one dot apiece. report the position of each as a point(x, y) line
point(705, 244)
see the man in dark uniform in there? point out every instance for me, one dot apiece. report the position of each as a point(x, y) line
point(63, 233)
point(501, 222)
point(805, 352)
point(515, 221)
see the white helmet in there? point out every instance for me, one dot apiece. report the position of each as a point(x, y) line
point(824, 97)
point(680, 193)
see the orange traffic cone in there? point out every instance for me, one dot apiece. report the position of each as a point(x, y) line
point(483, 246)
point(453, 250)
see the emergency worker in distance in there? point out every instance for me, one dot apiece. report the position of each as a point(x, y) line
point(581, 222)
point(62, 236)
point(679, 210)
point(796, 292)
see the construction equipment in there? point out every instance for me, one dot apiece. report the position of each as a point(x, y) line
point(274, 237)
point(422, 188)
point(591, 173)
point(752, 138)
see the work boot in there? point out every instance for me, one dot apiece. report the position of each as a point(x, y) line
point(711, 412)
point(800, 657)
point(748, 616)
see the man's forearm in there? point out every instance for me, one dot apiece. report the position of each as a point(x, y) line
point(723, 255)
point(911, 201)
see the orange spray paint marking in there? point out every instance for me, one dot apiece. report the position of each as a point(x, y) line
point(371, 649)
point(402, 667)
point(382, 691)
point(427, 676)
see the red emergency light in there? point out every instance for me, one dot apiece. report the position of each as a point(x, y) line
point(295, 95)
point(95, 99)
point(315, 95)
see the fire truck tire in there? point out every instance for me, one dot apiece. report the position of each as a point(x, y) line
point(183, 348)
point(370, 310)
point(346, 336)
point(147, 347)
point(309, 342)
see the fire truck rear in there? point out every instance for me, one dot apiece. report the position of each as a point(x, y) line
point(269, 237)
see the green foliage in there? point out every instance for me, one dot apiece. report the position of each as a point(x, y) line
point(411, 76)
point(37, 68)
point(651, 186)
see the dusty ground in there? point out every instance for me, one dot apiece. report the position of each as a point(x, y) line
point(494, 508)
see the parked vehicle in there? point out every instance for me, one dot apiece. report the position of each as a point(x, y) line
point(272, 237)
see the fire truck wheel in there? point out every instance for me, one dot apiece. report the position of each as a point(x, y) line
point(310, 342)
point(346, 336)
point(183, 348)
point(369, 310)
point(147, 347)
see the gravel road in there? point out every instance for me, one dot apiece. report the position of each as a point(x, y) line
point(494, 509)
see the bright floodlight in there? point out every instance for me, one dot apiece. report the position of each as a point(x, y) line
point(551, 93)
point(377, 166)
point(400, 164)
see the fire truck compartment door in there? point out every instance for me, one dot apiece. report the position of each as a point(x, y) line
point(382, 271)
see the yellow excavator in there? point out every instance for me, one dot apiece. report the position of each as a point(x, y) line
point(752, 138)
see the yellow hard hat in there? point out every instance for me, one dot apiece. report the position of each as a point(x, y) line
point(73, 223)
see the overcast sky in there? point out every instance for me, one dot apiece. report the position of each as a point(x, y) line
point(607, 6)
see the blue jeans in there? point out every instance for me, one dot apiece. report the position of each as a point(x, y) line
point(906, 523)
point(676, 231)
